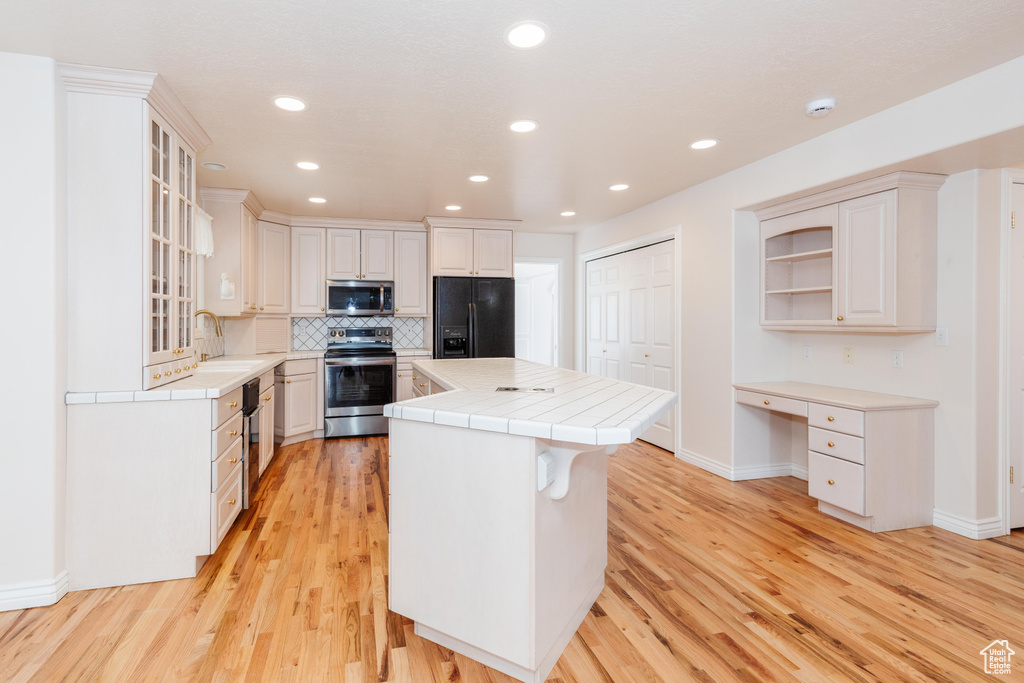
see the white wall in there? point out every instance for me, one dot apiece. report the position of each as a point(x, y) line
point(559, 248)
point(722, 341)
point(33, 277)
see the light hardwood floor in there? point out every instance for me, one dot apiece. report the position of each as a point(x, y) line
point(708, 580)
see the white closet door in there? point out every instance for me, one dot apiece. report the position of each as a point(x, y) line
point(661, 325)
point(604, 316)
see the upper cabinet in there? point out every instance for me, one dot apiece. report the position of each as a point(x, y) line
point(354, 254)
point(469, 247)
point(410, 274)
point(274, 266)
point(308, 263)
point(236, 238)
point(858, 258)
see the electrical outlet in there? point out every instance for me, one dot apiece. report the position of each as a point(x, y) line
point(807, 353)
point(848, 355)
point(897, 358)
point(942, 336)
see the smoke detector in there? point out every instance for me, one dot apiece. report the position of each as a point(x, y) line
point(819, 108)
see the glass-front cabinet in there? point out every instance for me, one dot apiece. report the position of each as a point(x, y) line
point(170, 258)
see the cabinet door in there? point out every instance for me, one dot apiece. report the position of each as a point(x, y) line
point(492, 253)
point(184, 243)
point(308, 272)
point(403, 391)
point(300, 404)
point(249, 260)
point(410, 274)
point(452, 252)
point(867, 261)
point(160, 339)
point(378, 259)
point(266, 428)
point(273, 270)
point(343, 254)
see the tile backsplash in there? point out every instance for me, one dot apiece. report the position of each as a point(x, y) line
point(310, 334)
point(210, 344)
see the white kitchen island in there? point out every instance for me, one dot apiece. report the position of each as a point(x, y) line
point(498, 504)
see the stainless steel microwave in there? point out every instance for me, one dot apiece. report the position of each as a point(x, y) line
point(360, 297)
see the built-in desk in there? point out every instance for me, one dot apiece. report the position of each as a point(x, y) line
point(870, 455)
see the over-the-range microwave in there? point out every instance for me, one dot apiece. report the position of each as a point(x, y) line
point(360, 297)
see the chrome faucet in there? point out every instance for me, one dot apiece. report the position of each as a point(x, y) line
point(216, 320)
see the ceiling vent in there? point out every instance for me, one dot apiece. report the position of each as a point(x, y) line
point(819, 108)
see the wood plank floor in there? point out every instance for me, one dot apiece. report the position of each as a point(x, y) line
point(708, 580)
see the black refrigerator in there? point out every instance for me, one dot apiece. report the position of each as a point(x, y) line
point(474, 317)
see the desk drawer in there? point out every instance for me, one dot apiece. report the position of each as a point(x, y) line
point(836, 419)
point(226, 406)
point(837, 445)
point(770, 402)
point(836, 482)
point(228, 432)
point(227, 462)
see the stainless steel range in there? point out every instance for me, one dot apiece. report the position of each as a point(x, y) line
point(360, 379)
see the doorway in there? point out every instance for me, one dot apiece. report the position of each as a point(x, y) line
point(537, 315)
point(1015, 402)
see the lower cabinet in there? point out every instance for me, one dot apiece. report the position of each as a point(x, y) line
point(226, 469)
point(407, 380)
point(298, 390)
point(266, 428)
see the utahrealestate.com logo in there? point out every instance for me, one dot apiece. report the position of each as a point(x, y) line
point(997, 657)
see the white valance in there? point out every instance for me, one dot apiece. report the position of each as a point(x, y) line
point(204, 233)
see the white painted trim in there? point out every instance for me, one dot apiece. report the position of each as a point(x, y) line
point(474, 223)
point(782, 469)
point(147, 85)
point(889, 181)
point(33, 593)
point(1010, 177)
point(798, 471)
point(971, 528)
point(222, 194)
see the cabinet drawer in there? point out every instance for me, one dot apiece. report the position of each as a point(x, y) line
point(836, 419)
point(226, 503)
point(266, 380)
point(769, 402)
point(836, 482)
point(420, 385)
point(836, 444)
point(226, 434)
point(226, 406)
point(228, 460)
point(436, 388)
point(296, 367)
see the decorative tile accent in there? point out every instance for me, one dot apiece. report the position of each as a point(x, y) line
point(210, 344)
point(310, 334)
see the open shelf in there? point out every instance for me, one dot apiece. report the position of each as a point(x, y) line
point(800, 290)
point(802, 256)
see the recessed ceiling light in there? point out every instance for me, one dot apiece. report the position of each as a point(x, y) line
point(704, 144)
point(317, 200)
point(526, 35)
point(308, 165)
point(568, 213)
point(290, 103)
point(479, 178)
point(214, 165)
point(619, 187)
point(523, 126)
point(453, 207)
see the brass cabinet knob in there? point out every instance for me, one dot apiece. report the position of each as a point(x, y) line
point(232, 501)
point(414, 378)
point(422, 384)
point(266, 398)
point(177, 371)
point(647, 355)
point(321, 308)
point(195, 365)
point(831, 482)
point(261, 308)
point(831, 445)
point(767, 402)
point(839, 318)
point(233, 404)
point(287, 381)
point(233, 432)
point(157, 376)
point(604, 350)
point(168, 373)
point(233, 460)
point(399, 374)
point(831, 419)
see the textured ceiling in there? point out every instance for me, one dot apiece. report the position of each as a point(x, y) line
point(407, 99)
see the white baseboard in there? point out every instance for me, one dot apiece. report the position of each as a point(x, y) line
point(33, 593)
point(971, 528)
point(782, 469)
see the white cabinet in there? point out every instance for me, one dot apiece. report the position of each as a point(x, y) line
point(298, 387)
point(274, 261)
point(360, 254)
point(307, 276)
point(408, 379)
point(410, 274)
point(862, 257)
point(266, 449)
point(470, 247)
point(236, 238)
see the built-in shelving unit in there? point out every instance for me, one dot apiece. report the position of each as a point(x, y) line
point(798, 272)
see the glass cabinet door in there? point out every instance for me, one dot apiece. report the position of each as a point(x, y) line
point(160, 329)
point(186, 255)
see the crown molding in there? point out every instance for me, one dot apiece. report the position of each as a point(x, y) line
point(147, 85)
point(275, 217)
point(908, 180)
point(475, 223)
point(354, 223)
point(224, 194)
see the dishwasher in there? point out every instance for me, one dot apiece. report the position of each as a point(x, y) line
point(250, 440)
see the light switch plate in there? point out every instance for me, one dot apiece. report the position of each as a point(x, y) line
point(848, 355)
point(897, 358)
point(807, 352)
point(942, 336)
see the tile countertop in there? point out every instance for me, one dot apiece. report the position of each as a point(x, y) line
point(854, 399)
point(582, 409)
point(209, 382)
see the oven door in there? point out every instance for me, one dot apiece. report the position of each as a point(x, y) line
point(358, 386)
point(359, 298)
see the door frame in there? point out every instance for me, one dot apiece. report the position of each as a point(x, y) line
point(1010, 176)
point(675, 234)
point(559, 265)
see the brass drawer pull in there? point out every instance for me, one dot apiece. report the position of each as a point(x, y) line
point(422, 384)
point(831, 419)
point(839, 318)
point(233, 432)
point(233, 460)
point(831, 445)
point(233, 404)
point(767, 402)
point(232, 501)
point(831, 482)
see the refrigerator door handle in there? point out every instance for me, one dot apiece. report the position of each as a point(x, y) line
point(476, 332)
point(472, 332)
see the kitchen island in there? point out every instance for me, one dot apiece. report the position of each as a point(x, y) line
point(498, 504)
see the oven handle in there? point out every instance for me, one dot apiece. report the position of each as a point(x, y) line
point(336, 363)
